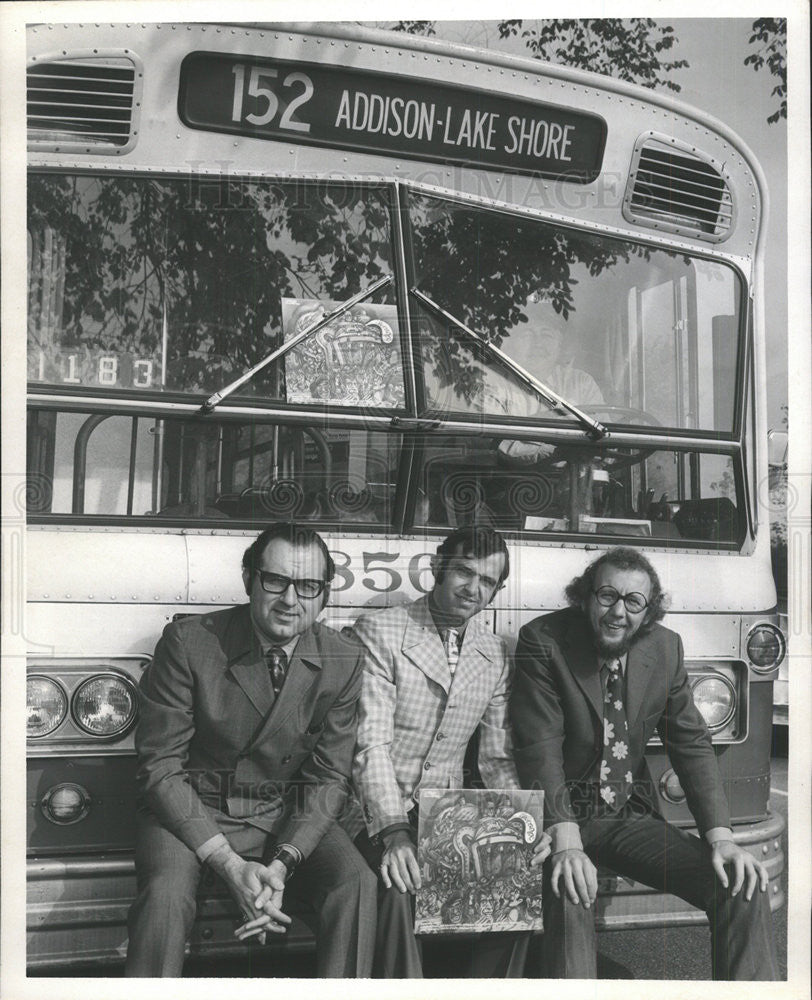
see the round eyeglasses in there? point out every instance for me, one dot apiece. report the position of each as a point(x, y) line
point(275, 583)
point(633, 602)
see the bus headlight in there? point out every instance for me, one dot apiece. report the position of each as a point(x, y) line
point(715, 697)
point(65, 804)
point(670, 787)
point(765, 647)
point(46, 706)
point(104, 705)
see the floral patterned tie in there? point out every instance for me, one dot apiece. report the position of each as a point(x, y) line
point(616, 778)
point(277, 660)
point(452, 649)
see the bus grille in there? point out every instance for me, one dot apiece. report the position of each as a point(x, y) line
point(677, 191)
point(87, 103)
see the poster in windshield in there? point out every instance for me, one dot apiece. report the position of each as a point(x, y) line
point(354, 360)
point(474, 849)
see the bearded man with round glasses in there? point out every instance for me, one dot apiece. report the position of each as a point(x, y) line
point(593, 683)
point(245, 744)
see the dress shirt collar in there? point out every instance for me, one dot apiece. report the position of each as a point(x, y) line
point(288, 646)
point(441, 625)
point(602, 660)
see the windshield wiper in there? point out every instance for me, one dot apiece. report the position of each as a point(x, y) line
point(594, 428)
point(218, 397)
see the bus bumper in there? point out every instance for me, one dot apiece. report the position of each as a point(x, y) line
point(77, 907)
point(77, 914)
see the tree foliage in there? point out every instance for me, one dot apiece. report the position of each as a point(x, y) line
point(769, 37)
point(630, 49)
point(415, 27)
point(210, 260)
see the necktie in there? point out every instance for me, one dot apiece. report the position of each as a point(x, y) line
point(452, 649)
point(615, 778)
point(277, 660)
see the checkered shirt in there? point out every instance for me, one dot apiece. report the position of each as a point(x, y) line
point(415, 720)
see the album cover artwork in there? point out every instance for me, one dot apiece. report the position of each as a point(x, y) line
point(474, 850)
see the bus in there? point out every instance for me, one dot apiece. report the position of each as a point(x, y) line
point(386, 286)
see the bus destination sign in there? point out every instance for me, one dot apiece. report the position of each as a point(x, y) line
point(326, 105)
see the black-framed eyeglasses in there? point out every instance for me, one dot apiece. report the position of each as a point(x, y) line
point(633, 602)
point(275, 583)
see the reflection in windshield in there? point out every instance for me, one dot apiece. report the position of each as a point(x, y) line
point(494, 357)
point(302, 339)
point(599, 320)
point(148, 283)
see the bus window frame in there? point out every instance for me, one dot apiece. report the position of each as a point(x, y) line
point(415, 440)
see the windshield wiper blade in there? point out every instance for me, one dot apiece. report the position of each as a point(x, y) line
point(281, 351)
point(594, 429)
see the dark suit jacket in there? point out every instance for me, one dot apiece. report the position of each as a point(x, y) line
point(212, 741)
point(557, 715)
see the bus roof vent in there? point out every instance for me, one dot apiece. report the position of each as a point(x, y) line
point(675, 189)
point(87, 103)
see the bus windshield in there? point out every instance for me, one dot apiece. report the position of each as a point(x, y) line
point(631, 333)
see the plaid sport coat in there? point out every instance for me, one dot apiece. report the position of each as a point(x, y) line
point(415, 721)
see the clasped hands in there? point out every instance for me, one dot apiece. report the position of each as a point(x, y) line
point(258, 890)
point(399, 862)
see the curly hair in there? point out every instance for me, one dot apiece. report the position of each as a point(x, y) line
point(580, 589)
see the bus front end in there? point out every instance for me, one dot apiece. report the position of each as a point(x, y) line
point(250, 301)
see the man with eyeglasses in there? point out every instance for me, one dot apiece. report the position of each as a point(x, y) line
point(433, 676)
point(593, 684)
point(245, 743)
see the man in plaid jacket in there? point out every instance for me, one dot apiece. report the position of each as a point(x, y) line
point(433, 674)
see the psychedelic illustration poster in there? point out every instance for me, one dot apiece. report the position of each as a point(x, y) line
point(474, 848)
point(355, 360)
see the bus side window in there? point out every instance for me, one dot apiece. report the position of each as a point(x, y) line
point(92, 464)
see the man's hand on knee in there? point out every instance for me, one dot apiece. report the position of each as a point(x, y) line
point(399, 863)
point(579, 876)
point(743, 865)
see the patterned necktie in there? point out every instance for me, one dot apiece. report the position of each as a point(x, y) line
point(616, 778)
point(277, 660)
point(452, 649)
